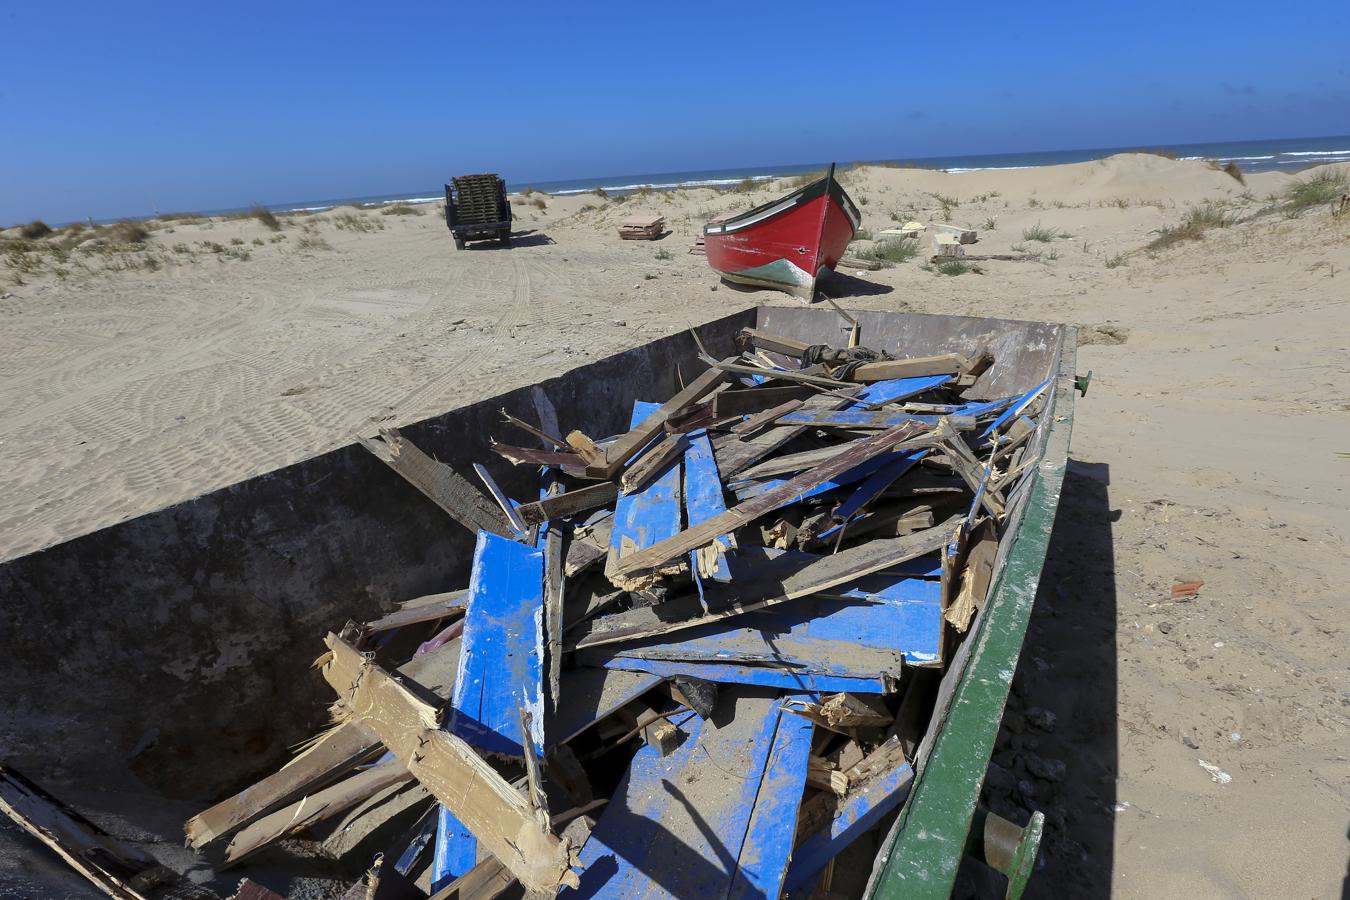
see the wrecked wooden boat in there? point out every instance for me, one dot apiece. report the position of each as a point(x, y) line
point(787, 243)
point(689, 621)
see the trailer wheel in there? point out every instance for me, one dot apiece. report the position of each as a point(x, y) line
point(459, 242)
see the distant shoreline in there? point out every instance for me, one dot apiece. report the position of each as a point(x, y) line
point(1283, 154)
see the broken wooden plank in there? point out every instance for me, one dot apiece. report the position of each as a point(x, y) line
point(975, 576)
point(640, 434)
point(539, 433)
point(722, 601)
point(330, 756)
point(554, 585)
point(785, 678)
point(362, 830)
point(495, 812)
point(739, 455)
point(569, 504)
point(651, 463)
point(593, 694)
point(315, 808)
point(115, 868)
point(646, 517)
point(436, 607)
point(884, 370)
point(658, 552)
point(444, 486)
point(725, 832)
point(568, 462)
point(501, 657)
point(759, 420)
point(809, 636)
point(703, 499)
point(828, 824)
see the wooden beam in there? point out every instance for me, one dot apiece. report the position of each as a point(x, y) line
point(444, 486)
point(703, 533)
point(773, 343)
point(568, 504)
point(652, 463)
point(497, 814)
point(883, 370)
point(438, 606)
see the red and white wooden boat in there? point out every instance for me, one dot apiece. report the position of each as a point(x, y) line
point(787, 243)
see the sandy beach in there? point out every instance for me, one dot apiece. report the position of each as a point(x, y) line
point(139, 370)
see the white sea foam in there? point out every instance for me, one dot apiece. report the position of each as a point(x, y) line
point(1242, 158)
point(1316, 153)
point(958, 169)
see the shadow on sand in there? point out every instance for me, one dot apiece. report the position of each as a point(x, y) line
point(1064, 763)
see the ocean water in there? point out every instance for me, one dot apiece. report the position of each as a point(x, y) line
point(1284, 154)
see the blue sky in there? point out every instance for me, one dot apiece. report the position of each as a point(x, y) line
point(115, 109)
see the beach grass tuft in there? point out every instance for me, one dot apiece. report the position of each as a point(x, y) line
point(954, 267)
point(401, 209)
point(35, 230)
point(1316, 189)
point(888, 253)
point(1039, 232)
point(1194, 224)
point(1115, 262)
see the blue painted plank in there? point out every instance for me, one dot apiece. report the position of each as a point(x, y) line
point(678, 826)
point(763, 863)
point(423, 838)
point(703, 496)
point(764, 676)
point(500, 662)
point(749, 490)
point(1018, 403)
point(456, 850)
point(898, 389)
point(858, 813)
point(873, 485)
point(756, 561)
point(651, 514)
point(813, 635)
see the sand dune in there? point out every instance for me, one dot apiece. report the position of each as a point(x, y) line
point(1208, 444)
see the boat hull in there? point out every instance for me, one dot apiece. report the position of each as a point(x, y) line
point(788, 243)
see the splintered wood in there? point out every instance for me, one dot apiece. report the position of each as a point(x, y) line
point(707, 641)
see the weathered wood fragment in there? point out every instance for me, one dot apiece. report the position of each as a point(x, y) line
point(427, 609)
point(759, 420)
point(497, 814)
point(315, 808)
point(981, 550)
point(773, 343)
point(651, 463)
point(646, 517)
point(827, 824)
point(536, 432)
point(554, 585)
point(569, 504)
point(568, 462)
point(748, 401)
point(444, 486)
point(638, 436)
